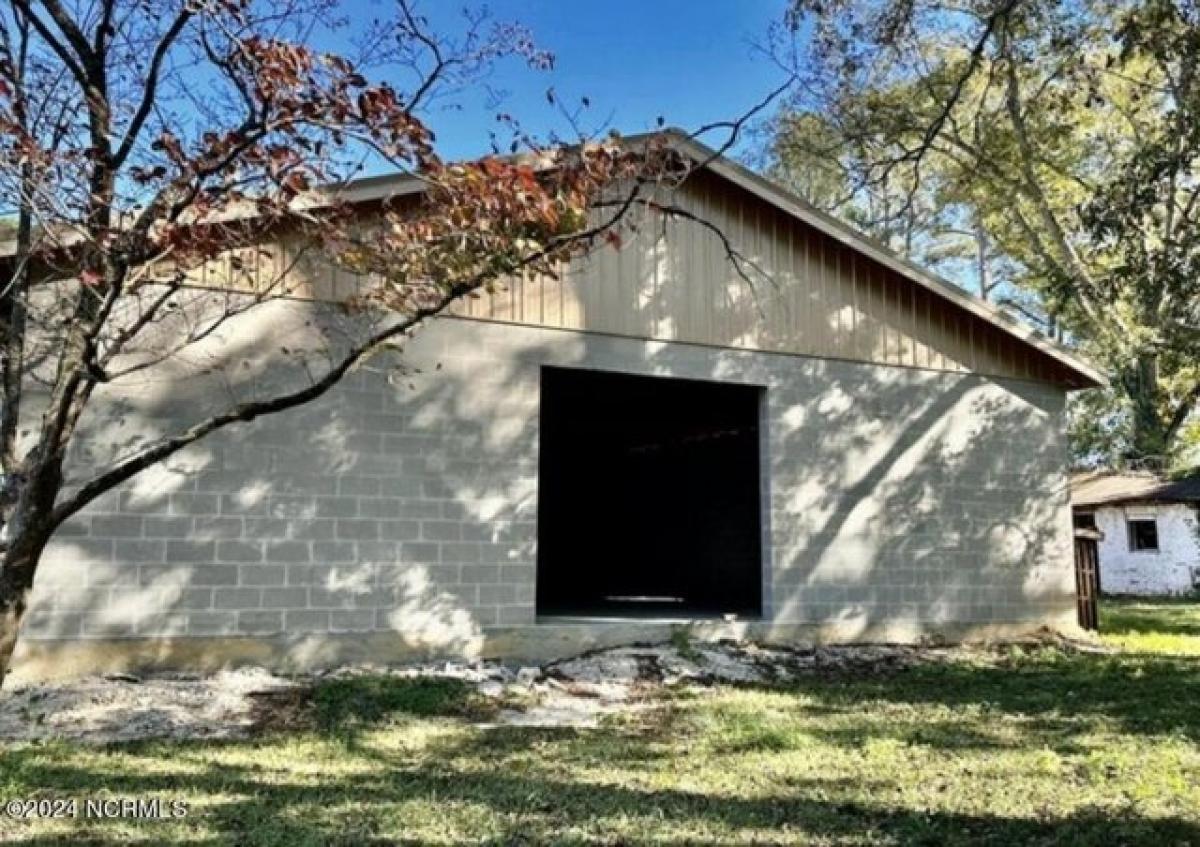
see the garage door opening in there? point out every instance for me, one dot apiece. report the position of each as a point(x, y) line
point(648, 500)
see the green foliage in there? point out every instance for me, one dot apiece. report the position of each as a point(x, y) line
point(1187, 450)
point(805, 156)
point(1068, 133)
point(357, 701)
point(1098, 428)
point(681, 640)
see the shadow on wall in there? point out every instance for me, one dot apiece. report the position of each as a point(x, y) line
point(392, 504)
point(918, 499)
point(404, 503)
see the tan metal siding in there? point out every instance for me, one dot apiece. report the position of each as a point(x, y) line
point(800, 291)
point(805, 293)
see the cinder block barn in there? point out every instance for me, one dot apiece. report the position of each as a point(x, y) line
point(843, 448)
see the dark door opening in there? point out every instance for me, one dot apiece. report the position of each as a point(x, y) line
point(648, 498)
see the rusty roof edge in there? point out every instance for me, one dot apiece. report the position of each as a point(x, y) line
point(1121, 499)
point(1112, 488)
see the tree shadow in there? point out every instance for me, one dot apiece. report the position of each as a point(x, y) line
point(539, 805)
point(1054, 697)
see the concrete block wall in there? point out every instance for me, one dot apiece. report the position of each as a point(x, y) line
point(898, 502)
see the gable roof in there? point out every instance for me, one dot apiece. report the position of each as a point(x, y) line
point(1111, 488)
point(1086, 375)
point(374, 189)
point(791, 204)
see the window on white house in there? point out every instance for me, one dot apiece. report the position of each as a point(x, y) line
point(1085, 520)
point(1143, 534)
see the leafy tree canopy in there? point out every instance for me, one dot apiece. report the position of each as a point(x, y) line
point(1056, 141)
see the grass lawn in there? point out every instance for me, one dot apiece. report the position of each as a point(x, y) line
point(1170, 626)
point(1043, 747)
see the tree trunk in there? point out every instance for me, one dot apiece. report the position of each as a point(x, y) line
point(28, 531)
point(16, 580)
point(1149, 444)
point(981, 260)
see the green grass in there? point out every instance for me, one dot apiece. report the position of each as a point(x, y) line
point(1042, 747)
point(1169, 626)
point(353, 702)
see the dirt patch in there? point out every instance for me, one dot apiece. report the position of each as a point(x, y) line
point(127, 708)
point(283, 710)
point(577, 692)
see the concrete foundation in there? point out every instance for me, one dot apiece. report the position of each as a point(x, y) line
point(49, 660)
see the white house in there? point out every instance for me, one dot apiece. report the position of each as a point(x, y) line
point(1151, 541)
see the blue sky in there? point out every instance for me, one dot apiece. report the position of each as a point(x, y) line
point(690, 61)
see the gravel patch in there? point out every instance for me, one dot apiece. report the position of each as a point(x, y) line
point(577, 692)
point(126, 708)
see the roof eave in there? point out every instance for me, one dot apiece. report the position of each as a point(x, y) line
point(789, 203)
point(378, 188)
point(1126, 501)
